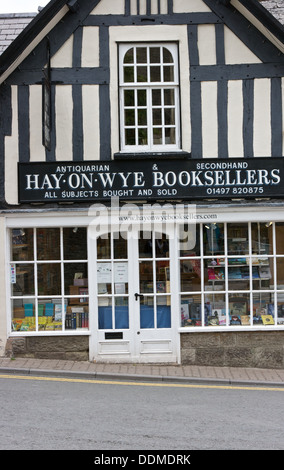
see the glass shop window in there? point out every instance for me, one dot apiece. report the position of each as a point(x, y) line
point(49, 279)
point(233, 275)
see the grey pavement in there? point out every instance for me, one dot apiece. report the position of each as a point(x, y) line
point(143, 372)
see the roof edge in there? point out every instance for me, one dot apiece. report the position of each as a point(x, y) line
point(32, 30)
point(265, 17)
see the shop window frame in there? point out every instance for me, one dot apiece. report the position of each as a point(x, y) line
point(36, 298)
point(250, 293)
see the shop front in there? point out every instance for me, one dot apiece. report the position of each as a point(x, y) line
point(138, 290)
point(141, 184)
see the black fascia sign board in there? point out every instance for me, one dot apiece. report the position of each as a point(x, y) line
point(100, 180)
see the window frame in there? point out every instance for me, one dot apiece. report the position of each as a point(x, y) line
point(150, 147)
point(276, 291)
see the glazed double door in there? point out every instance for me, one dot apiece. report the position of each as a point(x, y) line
point(134, 282)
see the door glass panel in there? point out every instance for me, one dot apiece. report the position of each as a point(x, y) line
point(104, 278)
point(105, 313)
point(163, 311)
point(147, 312)
point(120, 246)
point(146, 276)
point(103, 247)
point(145, 245)
point(112, 282)
point(121, 313)
point(154, 275)
point(162, 277)
point(162, 246)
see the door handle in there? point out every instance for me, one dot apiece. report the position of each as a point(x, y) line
point(138, 295)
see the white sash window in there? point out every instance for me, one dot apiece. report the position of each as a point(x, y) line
point(149, 97)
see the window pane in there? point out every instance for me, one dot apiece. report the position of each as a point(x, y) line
point(161, 246)
point(263, 309)
point(215, 310)
point(23, 315)
point(48, 244)
point(129, 98)
point(145, 245)
point(121, 313)
point(262, 238)
point(280, 273)
point(190, 275)
point(128, 58)
point(75, 278)
point(213, 239)
point(141, 55)
point(280, 309)
point(49, 279)
point(214, 275)
point(239, 273)
point(75, 243)
point(239, 309)
point(129, 116)
point(169, 97)
point(147, 312)
point(104, 278)
point(105, 313)
point(146, 276)
point(120, 277)
point(156, 97)
point(128, 74)
point(155, 74)
point(130, 137)
point(169, 117)
point(77, 314)
point(142, 74)
point(170, 136)
point(163, 311)
point(157, 117)
point(50, 314)
point(142, 117)
point(190, 310)
point(167, 56)
point(262, 273)
point(23, 280)
point(169, 73)
point(189, 240)
point(163, 277)
point(157, 136)
point(142, 98)
point(143, 136)
point(103, 247)
point(238, 239)
point(120, 245)
point(22, 244)
point(279, 229)
point(155, 55)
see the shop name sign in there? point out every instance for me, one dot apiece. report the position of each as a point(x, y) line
point(151, 180)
